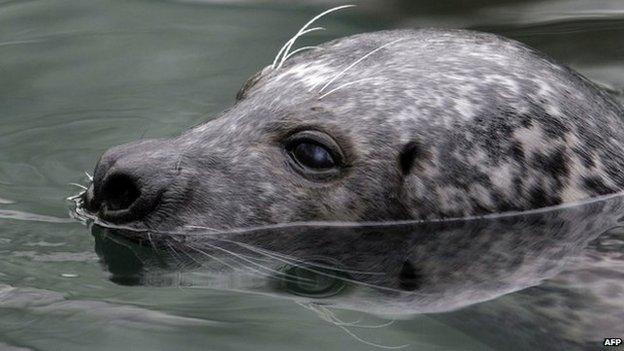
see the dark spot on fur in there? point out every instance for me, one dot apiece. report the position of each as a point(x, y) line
point(517, 152)
point(587, 158)
point(539, 198)
point(526, 121)
point(596, 186)
point(555, 164)
point(409, 278)
point(411, 151)
point(554, 127)
point(501, 203)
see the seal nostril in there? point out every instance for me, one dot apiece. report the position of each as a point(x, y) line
point(119, 192)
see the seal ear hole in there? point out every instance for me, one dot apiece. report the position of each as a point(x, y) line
point(410, 278)
point(408, 156)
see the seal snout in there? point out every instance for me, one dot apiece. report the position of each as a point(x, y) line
point(128, 184)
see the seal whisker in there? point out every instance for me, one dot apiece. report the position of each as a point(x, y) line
point(242, 255)
point(179, 256)
point(88, 176)
point(325, 314)
point(75, 197)
point(293, 260)
point(175, 252)
point(212, 257)
point(341, 73)
point(331, 316)
point(328, 315)
point(301, 49)
point(346, 279)
point(355, 324)
point(367, 326)
point(290, 42)
point(242, 258)
point(151, 241)
point(228, 241)
point(281, 53)
point(345, 85)
point(247, 259)
point(78, 185)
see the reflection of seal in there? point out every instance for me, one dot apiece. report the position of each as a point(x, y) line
point(410, 267)
point(388, 125)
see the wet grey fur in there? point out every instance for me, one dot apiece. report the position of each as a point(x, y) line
point(486, 125)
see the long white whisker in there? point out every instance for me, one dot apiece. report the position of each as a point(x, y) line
point(78, 185)
point(179, 257)
point(242, 258)
point(325, 314)
point(152, 244)
point(356, 324)
point(219, 239)
point(294, 52)
point(191, 257)
point(293, 261)
point(285, 276)
point(345, 85)
point(175, 253)
point(88, 176)
point(358, 61)
point(290, 43)
point(216, 259)
point(371, 343)
point(306, 265)
point(75, 197)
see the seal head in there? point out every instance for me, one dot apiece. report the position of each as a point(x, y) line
point(389, 125)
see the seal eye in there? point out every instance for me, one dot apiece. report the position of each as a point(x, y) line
point(313, 156)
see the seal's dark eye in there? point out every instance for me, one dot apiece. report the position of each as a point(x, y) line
point(315, 155)
point(312, 155)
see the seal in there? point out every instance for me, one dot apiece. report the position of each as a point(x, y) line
point(390, 125)
point(394, 126)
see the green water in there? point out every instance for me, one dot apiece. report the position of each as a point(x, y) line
point(77, 77)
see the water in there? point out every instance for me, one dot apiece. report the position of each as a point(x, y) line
point(79, 77)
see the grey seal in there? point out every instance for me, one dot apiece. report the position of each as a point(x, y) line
point(407, 125)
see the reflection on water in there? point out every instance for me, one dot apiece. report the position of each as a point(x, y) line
point(405, 267)
point(397, 269)
point(79, 77)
